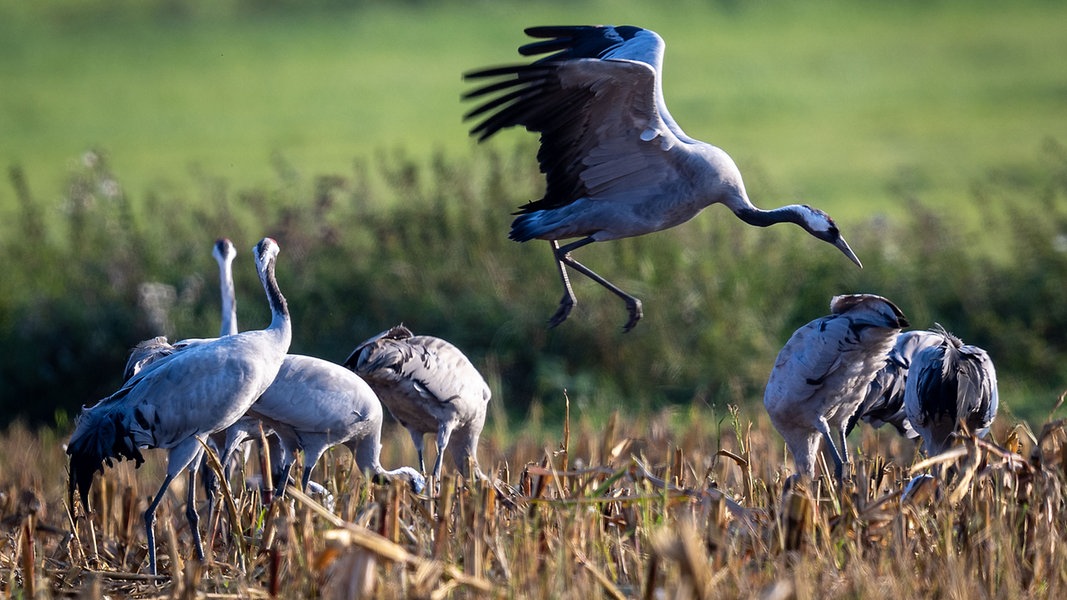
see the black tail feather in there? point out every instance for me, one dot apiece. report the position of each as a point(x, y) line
point(100, 436)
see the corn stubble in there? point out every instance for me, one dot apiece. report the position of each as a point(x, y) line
point(627, 509)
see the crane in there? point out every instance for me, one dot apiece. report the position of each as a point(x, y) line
point(148, 351)
point(176, 401)
point(429, 386)
point(821, 375)
point(616, 163)
point(948, 384)
point(315, 404)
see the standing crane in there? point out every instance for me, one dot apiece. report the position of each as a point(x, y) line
point(148, 351)
point(176, 401)
point(429, 386)
point(616, 163)
point(311, 406)
point(948, 384)
point(821, 375)
point(884, 401)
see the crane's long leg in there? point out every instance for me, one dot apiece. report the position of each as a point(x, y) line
point(312, 454)
point(150, 522)
point(444, 433)
point(845, 458)
point(211, 490)
point(568, 301)
point(416, 438)
point(839, 465)
point(563, 257)
point(192, 516)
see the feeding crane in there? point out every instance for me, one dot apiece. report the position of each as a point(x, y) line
point(821, 375)
point(616, 163)
point(315, 404)
point(429, 386)
point(176, 401)
point(950, 383)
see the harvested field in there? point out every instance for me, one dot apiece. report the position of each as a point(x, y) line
point(673, 506)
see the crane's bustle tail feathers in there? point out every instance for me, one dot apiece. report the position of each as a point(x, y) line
point(99, 437)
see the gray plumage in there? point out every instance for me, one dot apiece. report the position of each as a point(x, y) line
point(948, 384)
point(884, 402)
point(821, 375)
point(429, 386)
point(616, 163)
point(177, 401)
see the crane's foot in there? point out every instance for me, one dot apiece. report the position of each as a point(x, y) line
point(634, 306)
point(565, 305)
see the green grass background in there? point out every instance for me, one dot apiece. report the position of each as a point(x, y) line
point(830, 102)
point(932, 131)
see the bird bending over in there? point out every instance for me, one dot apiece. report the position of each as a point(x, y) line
point(884, 401)
point(178, 400)
point(821, 375)
point(616, 163)
point(948, 384)
point(429, 386)
point(313, 405)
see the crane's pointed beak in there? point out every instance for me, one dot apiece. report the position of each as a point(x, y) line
point(842, 245)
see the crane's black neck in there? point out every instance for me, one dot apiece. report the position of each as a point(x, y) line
point(279, 308)
point(763, 218)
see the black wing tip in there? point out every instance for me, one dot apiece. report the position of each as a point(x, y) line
point(555, 31)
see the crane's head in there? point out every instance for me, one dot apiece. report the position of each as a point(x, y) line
point(224, 250)
point(265, 252)
point(414, 479)
point(820, 225)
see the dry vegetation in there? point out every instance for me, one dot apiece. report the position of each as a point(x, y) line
point(681, 505)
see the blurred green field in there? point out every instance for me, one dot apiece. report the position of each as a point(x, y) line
point(831, 102)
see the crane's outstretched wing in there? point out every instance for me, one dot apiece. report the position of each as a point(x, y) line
point(598, 105)
point(606, 42)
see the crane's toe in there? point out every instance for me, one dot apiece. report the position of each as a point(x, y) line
point(565, 305)
point(634, 306)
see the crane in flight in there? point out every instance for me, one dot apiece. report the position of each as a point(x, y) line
point(616, 163)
